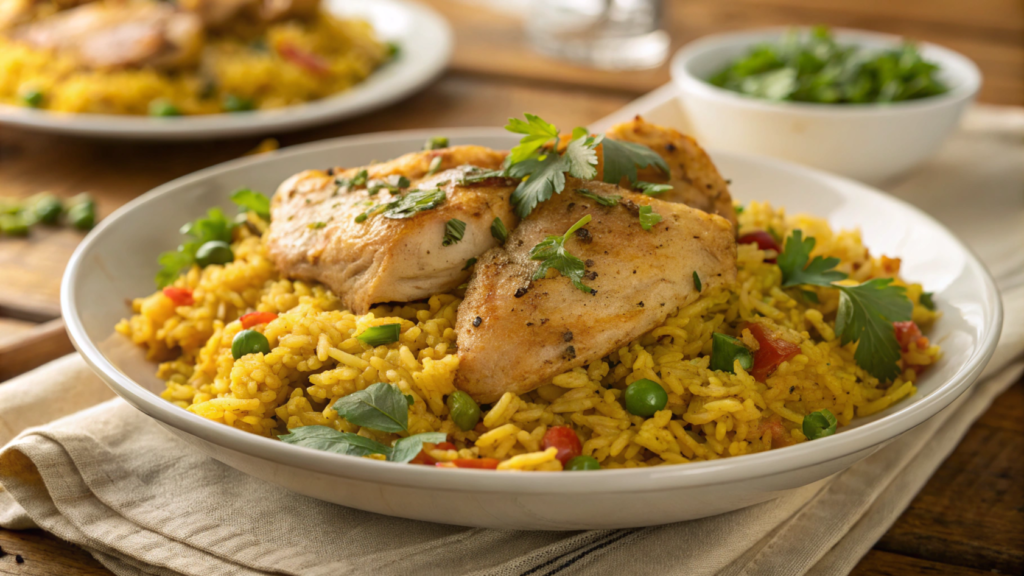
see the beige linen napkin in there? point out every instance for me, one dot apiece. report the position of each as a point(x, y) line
point(111, 480)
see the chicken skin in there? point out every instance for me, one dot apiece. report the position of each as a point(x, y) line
point(515, 334)
point(372, 246)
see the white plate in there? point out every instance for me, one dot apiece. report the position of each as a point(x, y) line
point(117, 261)
point(425, 45)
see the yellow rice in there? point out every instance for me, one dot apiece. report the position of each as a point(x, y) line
point(348, 48)
point(315, 359)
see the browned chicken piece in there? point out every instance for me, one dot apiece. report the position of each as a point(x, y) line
point(15, 12)
point(695, 180)
point(514, 334)
point(316, 234)
point(117, 36)
point(221, 13)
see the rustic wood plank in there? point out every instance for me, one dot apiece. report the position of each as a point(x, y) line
point(34, 348)
point(11, 328)
point(879, 563)
point(45, 555)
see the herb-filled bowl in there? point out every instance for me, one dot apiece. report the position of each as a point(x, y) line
point(118, 260)
point(870, 138)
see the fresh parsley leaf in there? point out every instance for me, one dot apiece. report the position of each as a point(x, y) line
point(469, 264)
point(610, 200)
point(380, 407)
point(406, 449)
point(435, 143)
point(652, 188)
point(865, 315)
point(537, 133)
point(648, 217)
point(498, 230)
point(581, 157)
point(215, 226)
point(552, 254)
point(171, 264)
point(477, 175)
point(380, 335)
point(330, 440)
point(416, 201)
point(696, 281)
point(819, 424)
point(796, 270)
point(252, 201)
point(811, 296)
point(621, 159)
point(454, 229)
point(927, 300)
point(410, 399)
point(544, 177)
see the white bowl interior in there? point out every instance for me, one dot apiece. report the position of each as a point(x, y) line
point(117, 262)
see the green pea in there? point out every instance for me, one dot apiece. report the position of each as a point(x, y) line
point(249, 342)
point(32, 98)
point(82, 216)
point(645, 397)
point(47, 208)
point(234, 103)
point(582, 463)
point(464, 410)
point(13, 225)
point(163, 108)
point(214, 252)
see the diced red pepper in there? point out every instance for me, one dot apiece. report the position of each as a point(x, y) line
point(479, 463)
point(779, 437)
point(254, 318)
point(565, 440)
point(180, 296)
point(908, 333)
point(445, 446)
point(303, 59)
point(764, 241)
point(771, 352)
point(423, 458)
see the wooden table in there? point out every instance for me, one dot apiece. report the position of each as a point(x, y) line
point(969, 519)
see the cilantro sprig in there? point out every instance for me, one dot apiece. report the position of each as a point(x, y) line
point(552, 254)
point(866, 311)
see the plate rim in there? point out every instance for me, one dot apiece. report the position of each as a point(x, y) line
point(412, 74)
point(722, 471)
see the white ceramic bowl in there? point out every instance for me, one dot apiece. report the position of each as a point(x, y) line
point(117, 261)
point(425, 45)
point(869, 142)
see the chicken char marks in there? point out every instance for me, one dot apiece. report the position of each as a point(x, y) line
point(314, 234)
point(515, 334)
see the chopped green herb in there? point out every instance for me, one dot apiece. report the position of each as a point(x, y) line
point(32, 98)
point(648, 217)
point(454, 229)
point(234, 103)
point(499, 231)
point(380, 335)
point(927, 300)
point(393, 184)
point(163, 108)
point(435, 143)
point(696, 281)
point(416, 201)
point(652, 188)
point(477, 175)
point(360, 178)
point(410, 399)
point(621, 159)
point(795, 268)
point(469, 264)
point(610, 200)
point(252, 201)
point(379, 407)
point(393, 49)
point(819, 424)
point(215, 226)
point(725, 350)
point(812, 67)
point(552, 254)
point(738, 209)
point(434, 166)
point(811, 296)
point(360, 218)
point(316, 225)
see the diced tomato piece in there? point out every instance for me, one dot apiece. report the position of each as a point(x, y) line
point(764, 241)
point(907, 333)
point(253, 318)
point(423, 458)
point(303, 59)
point(445, 446)
point(565, 440)
point(479, 463)
point(180, 296)
point(779, 437)
point(771, 352)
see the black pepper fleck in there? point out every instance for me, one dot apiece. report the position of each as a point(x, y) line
point(708, 186)
point(670, 147)
point(728, 181)
point(641, 304)
point(20, 560)
point(520, 292)
point(567, 336)
point(529, 323)
point(570, 353)
point(330, 171)
point(590, 275)
point(791, 388)
point(543, 321)
point(477, 321)
point(570, 206)
point(593, 292)
point(589, 263)
point(584, 236)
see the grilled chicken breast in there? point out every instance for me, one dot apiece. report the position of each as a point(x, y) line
point(695, 180)
point(315, 235)
point(116, 36)
point(515, 334)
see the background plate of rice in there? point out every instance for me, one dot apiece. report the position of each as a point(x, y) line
point(117, 262)
point(424, 42)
